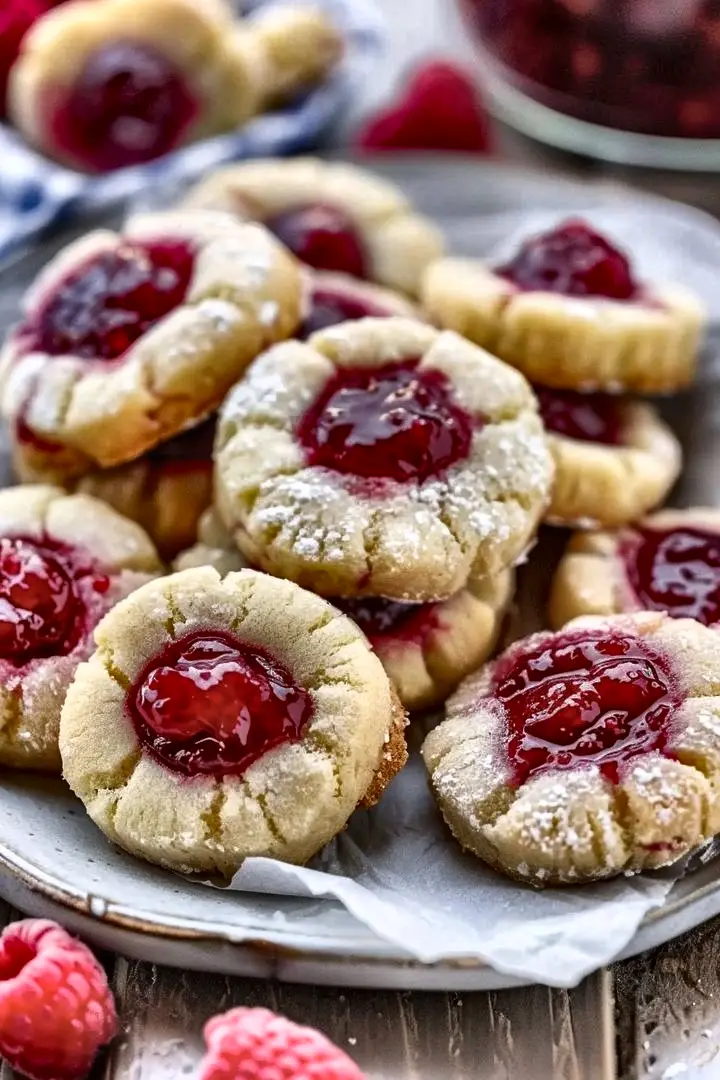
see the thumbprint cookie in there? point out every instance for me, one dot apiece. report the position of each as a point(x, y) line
point(426, 649)
point(331, 215)
point(381, 458)
point(64, 561)
point(128, 338)
point(615, 459)
point(100, 86)
point(569, 312)
point(222, 718)
point(669, 562)
point(585, 753)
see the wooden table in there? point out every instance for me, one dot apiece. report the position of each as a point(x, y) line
point(653, 1018)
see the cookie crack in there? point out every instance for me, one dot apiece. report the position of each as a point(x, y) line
point(66, 399)
point(176, 617)
point(322, 744)
point(212, 817)
point(273, 827)
point(121, 776)
point(115, 672)
point(321, 622)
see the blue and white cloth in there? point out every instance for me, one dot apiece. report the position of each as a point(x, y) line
point(36, 193)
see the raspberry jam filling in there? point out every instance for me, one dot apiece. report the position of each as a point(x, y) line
point(399, 422)
point(209, 703)
point(379, 618)
point(584, 698)
point(42, 609)
point(587, 417)
point(104, 306)
point(129, 104)
point(573, 260)
point(675, 570)
point(329, 307)
point(323, 237)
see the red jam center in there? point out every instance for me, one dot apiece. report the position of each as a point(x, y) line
point(129, 104)
point(378, 618)
point(588, 417)
point(572, 260)
point(328, 308)
point(322, 236)
point(399, 422)
point(102, 308)
point(41, 613)
point(584, 698)
point(677, 571)
point(212, 704)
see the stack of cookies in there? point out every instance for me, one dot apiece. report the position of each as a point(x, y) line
point(156, 467)
point(568, 311)
point(375, 480)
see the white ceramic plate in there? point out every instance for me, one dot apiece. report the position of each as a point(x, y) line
point(54, 862)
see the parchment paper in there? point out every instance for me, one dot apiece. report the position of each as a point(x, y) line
point(396, 868)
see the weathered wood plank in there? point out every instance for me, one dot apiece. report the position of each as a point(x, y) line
point(509, 1035)
point(668, 1009)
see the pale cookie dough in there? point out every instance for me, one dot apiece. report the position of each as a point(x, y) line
point(453, 489)
point(333, 298)
point(283, 49)
point(225, 718)
point(647, 344)
point(669, 561)
point(165, 490)
point(426, 649)
point(213, 547)
point(610, 481)
point(65, 94)
point(367, 226)
point(127, 339)
point(585, 754)
point(65, 560)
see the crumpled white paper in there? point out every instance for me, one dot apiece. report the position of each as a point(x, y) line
point(396, 868)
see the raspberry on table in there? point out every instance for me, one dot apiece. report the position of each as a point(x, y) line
point(256, 1044)
point(56, 1008)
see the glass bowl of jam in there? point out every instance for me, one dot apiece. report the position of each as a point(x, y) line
point(631, 81)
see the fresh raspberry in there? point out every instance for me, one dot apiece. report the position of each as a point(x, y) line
point(16, 18)
point(439, 110)
point(255, 1044)
point(56, 1009)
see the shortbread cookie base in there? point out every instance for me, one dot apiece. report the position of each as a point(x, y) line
point(572, 826)
point(167, 499)
point(411, 542)
point(284, 50)
point(400, 243)
point(289, 802)
point(31, 699)
point(606, 485)
point(245, 293)
point(570, 343)
point(591, 578)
